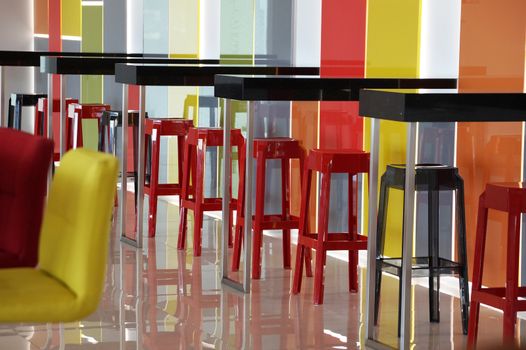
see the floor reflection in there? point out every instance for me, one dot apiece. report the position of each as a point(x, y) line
point(162, 298)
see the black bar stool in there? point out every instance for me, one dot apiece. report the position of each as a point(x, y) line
point(432, 178)
point(110, 120)
point(16, 102)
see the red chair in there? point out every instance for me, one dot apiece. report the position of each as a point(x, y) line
point(76, 113)
point(154, 129)
point(284, 149)
point(192, 197)
point(510, 198)
point(25, 163)
point(326, 163)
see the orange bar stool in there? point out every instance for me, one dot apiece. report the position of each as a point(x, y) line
point(192, 197)
point(16, 102)
point(81, 111)
point(327, 162)
point(154, 129)
point(284, 149)
point(510, 198)
point(41, 121)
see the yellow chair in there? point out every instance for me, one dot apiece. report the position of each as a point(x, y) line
point(67, 284)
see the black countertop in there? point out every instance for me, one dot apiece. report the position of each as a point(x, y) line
point(32, 58)
point(195, 75)
point(441, 106)
point(104, 65)
point(311, 88)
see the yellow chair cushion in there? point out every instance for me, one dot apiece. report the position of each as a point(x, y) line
point(30, 294)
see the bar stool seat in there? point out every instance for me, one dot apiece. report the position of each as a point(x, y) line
point(78, 112)
point(507, 197)
point(41, 121)
point(432, 178)
point(192, 197)
point(328, 162)
point(154, 128)
point(285, 149)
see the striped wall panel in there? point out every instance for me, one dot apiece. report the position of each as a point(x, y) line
point(491, 152)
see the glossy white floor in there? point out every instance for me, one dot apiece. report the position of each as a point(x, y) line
point(163, 298)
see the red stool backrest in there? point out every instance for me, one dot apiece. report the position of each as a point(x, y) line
point(24, 163)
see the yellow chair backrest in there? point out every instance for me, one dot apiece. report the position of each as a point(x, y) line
point(190, 102)
point(75, 232)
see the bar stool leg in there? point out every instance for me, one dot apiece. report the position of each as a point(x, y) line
point(478, 269)
point(433, 251)
point(512, 279)
point(380, 241)
point(180, 162)
point(18, 114)
point(183, 213)
point(462, 254)
point(323, 226)
point(199, 197)
point(258, 218)
point(100, 146)
point(285, 193)
point(304, 218)
point(135, 131)
point(231, 207)
point(308, 250)
point(154, 180)
point(352, 228)
point(10, 114)
point(238, 238)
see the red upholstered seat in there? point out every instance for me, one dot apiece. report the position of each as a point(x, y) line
point(24, 163)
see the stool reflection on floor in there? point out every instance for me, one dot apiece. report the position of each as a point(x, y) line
point(328, 162)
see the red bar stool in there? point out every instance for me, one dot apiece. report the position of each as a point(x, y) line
point(510, 198)
point(80, 111)
point(272, 148)
point(41, 120)
point(328, 162)
point(192, 197)
point(155, 128)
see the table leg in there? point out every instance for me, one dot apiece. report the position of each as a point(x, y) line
point(225, 188)
point(122, 314)
point(407, 244)
point(63, 115)
point(3, 113)
point(371, 239)
point(124, 160)
point(140, 164)
point(244, 286)
point(247, 227)
point(49, 130)
point(139, 298)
